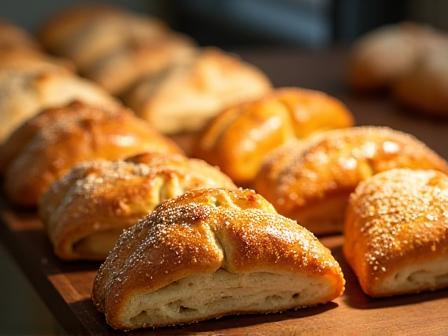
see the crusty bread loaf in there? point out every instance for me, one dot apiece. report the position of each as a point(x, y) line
point(396, 232)
point(209, 253)
point(384, 55)
point(26, 91)
point(86, 210)
point(118, 70)
point(48, 145)
point(15, 38)
point(425, 87)
point(311, 181)
point(186, 96)
point(239, 137)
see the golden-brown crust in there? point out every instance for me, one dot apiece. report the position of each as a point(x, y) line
point(239, 138)
point(386, 54)
point(25, 91)
point(298, 176)
point(425, 87)
point(46, 146)
point(98, 196)
point(32, 60)
point(66, 23)
point(394, 219)
point(186, 96)
point(121, 68)
point(202, 231)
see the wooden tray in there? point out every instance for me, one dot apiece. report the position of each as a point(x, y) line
point(65, 287)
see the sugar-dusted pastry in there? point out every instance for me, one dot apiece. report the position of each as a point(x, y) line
point(86, 210)
point(210, 253)
point(385, 54)
point(25, 91)
point(239, 137)
point(186, 96)
point(396, 232)
point(48, 145)
point(312, 180)
point(425, 87)
point(120, 69)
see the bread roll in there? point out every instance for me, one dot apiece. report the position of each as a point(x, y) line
point(209, 253)
point(396, 232)
point(14, 38)
point(48, 145)
point(89, 32)
point(311, 181)
point(239, 138)
point(119, 69)
point(425, 87)
point(26, 91)
point(384, 55)
point(86, 210)
point(185, 96)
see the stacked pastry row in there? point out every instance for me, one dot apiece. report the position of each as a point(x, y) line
point(31, 81)
point(408, 59)
point(160, 74)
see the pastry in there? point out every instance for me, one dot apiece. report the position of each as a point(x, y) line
point(118, 70)
point(31, 60)
point(239, 138)
point(48, 145)
point(87, 33)
point(209, 253)
point(15, 38)
point(86, 210)
point(311, 181)
point(186, 96)
point(396, 232)
point(384, 55)
point(425, 87)
point(25, 91)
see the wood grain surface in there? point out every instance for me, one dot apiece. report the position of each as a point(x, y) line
point(65, 287)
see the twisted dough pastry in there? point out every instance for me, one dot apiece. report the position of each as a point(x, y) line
point(48, 145)
point(209, 253)
point(240, 137)
point(396, 232)
point(311, 181)
point(86, 210)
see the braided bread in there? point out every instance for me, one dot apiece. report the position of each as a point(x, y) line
point(209, 253)
point(52, 142)
point(239, 138)
point(396, 232)
point(311, 181)
point(86, 210)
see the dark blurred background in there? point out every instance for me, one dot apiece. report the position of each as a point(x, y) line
point(235, 23)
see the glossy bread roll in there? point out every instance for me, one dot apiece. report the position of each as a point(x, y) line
point(52, 142)
point(239, 138)
point(209, 253)
point(26, 91)
point(425, 88)
point(384, 55)
point(121, 68)
point(86, 210)
point(311, 181)
point(396, 232)
point(186, 96)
